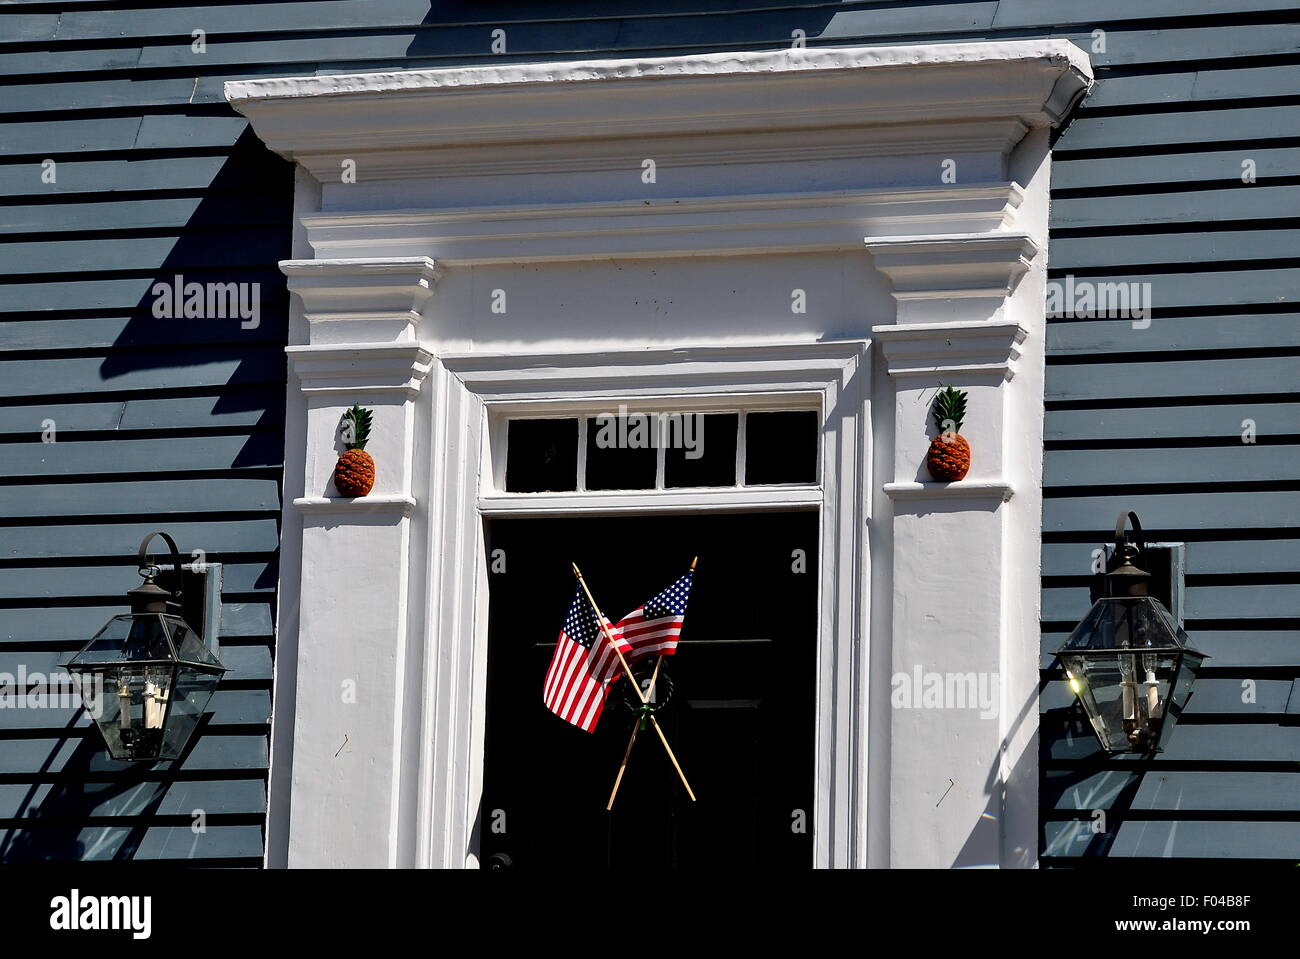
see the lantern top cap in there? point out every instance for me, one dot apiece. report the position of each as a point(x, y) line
point(1126, 579)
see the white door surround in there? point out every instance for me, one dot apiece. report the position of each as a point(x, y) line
point(846, 227)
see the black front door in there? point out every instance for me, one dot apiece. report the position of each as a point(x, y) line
point(741, 717)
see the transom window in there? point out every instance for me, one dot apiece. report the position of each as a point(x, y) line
point(647, 450)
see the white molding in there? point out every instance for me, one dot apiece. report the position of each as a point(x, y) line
point(655, 227)
point(831, 374)
point(528, 176)
point(965, 347)
point(510, 106)
point(651, 501)
point(962, 489)
point(360, 368)
point(372, 503)
point(924, 267)
point(370, 299)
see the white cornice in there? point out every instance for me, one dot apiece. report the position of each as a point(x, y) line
point(362, 300)
point(360, 368)
point(947, 266)
point(833, 220)
point(961, 346)
point(1033, 82)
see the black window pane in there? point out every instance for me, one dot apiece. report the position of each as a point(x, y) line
point(700, 449)
point(620, 452)
point(781, 447)
point(542, 456)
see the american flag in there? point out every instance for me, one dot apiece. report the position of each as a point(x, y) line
point(654, 627)
point(582, 668)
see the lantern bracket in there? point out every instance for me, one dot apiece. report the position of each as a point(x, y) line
point(195, 589)
point(1123, 549)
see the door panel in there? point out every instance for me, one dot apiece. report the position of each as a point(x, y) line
point(741, 718)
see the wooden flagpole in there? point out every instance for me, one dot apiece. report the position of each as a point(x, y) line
point(604, 628)
point(637, 726)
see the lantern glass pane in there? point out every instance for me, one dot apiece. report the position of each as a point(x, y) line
point(1180, 690)
point(1125, 622)
point(189, 697)
point(1124, 662)
point(190, 648)
point(129, 637)
point(145, 680)
point(1125, 695)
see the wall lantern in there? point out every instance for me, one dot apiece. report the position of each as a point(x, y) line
point(1128, 662)
point(147, 676)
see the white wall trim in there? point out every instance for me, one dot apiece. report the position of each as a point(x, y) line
point(831, 375)
point(672, 226)
point(821, 164)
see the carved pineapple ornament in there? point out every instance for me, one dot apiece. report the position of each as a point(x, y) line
point(948, 458)
point(354, 475)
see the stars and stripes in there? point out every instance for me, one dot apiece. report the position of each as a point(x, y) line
point(584, 665)
point(655, 627)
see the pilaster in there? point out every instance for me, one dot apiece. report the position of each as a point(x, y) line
point(950, 568)
point(356, 588)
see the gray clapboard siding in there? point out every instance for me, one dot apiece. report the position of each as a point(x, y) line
point(247, 664)
point(1166, 333)
point(1182, 839)
point(1153, 422)
point(1074, 253)
point(48, 755)
point(1192, 839)
point(1164, 129)
point(1193, 742)
point(92, 177)
point(215, 797)
point(104, 539)
point(44, 138)
point(85, 24)
point(1160, 168)
point(1200, 602)
point(1171, 510)
point(426, 46)
point(134, 213)
point(216, 248)
point(1264, 792)
point(1210, 697)
point(1227, 376)
point(34, 332)
point(133, 455)
point(71, 624)
point(1195, 86)
point(229, 707)
point(136, 497)
point(140, 370)
point(1236, 463)
point(74, 582)
point(1234, 201)
point(1202, 558)
point(101, 843)
point(1228, 649)
point(108, 294)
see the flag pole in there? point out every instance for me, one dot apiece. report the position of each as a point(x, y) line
point(604, 628)
point(637, 726)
